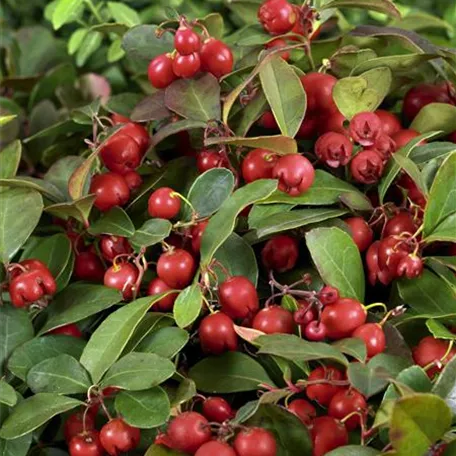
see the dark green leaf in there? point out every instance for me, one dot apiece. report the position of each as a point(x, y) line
point(435, 117)
point(381, 6)
point(46, 188)
point(176, 127)
point(353, 450)
point(262, 212)
point(8, 394)
point(185, 392)
point(152, 232)
point(59, 173)
point(78, 209)
point(352, 347)
point(427, 152)
point(188, 305)
point(123, 103)
point(414, 377)
point(251, 113)
point(16, 447)
point(165, 342)
point(214, 25)
point(445, 386)
point(10, 158)
point(411, 168)
point(115, 222)
point(279, 144)
point(151, 108)
point(141, 42)
point(439, 330)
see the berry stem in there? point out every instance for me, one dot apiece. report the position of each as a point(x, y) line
point(376, 304)
point(185, 200)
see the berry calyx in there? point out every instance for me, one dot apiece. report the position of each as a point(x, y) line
point(365, 128)
point(411, 266)
point(315, 331)
point(346, 402)
point(111, 246)
point(367, 167)
point(334, 149)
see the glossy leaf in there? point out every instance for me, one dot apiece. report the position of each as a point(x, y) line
point(279, 144)
point(445, 386)
point(427, 152)
point(352, 347)
point(151, 232)
point(435, 117)
point(165, 342)
point(353, 450)
point(47, 189)
point(8, 394)
point(141, 42)
point(59, 173)
point(176, 127)
point(115, 222)
point(10, 158)
point(187, 306)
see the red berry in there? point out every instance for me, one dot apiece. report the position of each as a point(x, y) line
point(277, 16)
point(278, 43)
point(399, 224)
point(217, 334)
point(217, 409)
point(324, 392)
point(315, 331)
point(361, 232)
point(384, 146)
point(411, 266)
point(334, 149)
point(133, 180)
point(216, 58)
point(303, 409)
point(304, 315)
point(186, 41)
point(319, 88)
point(123, 277)
point(68, 330)
point(431, 350)
point(119, 437)
point(345, 402)
point(88, 266)
point(280, 253)
point(197, 233)
point(138, 133)
point(111, 246)
point(343, 317)
point(327, 434)
point(391, 250)
point(365, 128)
point(164, 203)
point(86, 444)
point(258, 164)
point(215, 448)
point(74, 425)
point(421, 95)
point(238, 297)
point(186, 66)
point(110, 190)
point(176, 268)
point(403, 137)
point(208, 159)
point(274, 320)
point(308, 128)
point(383, 275)
point(121, 154)
point(373, 336)
point(188, 431)
point(333, 121)
point(255, 442)
point(160, 71)
point(390, 122)
point(119, 119)
point(328, 295)
point(367, 167)
point(157, 286)
point(295, 173)
point(452, 137)
point(267, 120)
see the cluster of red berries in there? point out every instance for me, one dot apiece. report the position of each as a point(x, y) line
point(121, 155)
point(192, 54)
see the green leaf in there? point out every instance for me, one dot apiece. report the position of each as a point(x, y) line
point(41, 348)
point(222, 223)
point(8, 394)
point(221, 183)
point(62, 374)
point(160, 450)
point(427, 152)
point(231, 372)
point(66, 11)
point(260, 212)
point(188, 305)
point(175, 127)
point(185, 391)
point(353, 450)
point(151, 232)
point(442, 198)
point(445, 386)
point(115, 51)
point(138, 371)
point(428, 294)
point(115, 222)
point(78, 209)
point(250, 114)
point(4, 120)
point(110, 338)
point(10, 158)
point(165, 342)
point(123, 14)
point(214, 24)
point(46, 188)
point(439, 330)
point(435, 117)
point(76, 40)
point(16, 447)
point(141, 42)
point(352, 347)
point(381, 6)
point(278, 144)
point(195, 99)
point(15, 329)
point(418, 421)
point(295, 349)
point(79, 301)
point(60, 172)
point(338, 261)
point(34, 411)
point(123, 103)
point(57, 254)
point(16, 226)
point(412, 170)
point(151, 108)
point(91, 42)
point(285, 94)
point(144, 409)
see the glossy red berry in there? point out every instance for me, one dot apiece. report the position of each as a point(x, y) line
point(121, 154)
point(334, 149)
point(452, 137)
point(345, 402)
point(280, 253)
point(138, 133)
point(324, 392)
point(431, 350)
point(267, 120)
point(88, 266)
point(308, 128)
point(186, 41)
point(176, 268)
point(86, 444)
point(319, 88)
point(157, 286)
point(217, 334)
point(303, 409)
point(365, 128)
point(110, 190)
point(278, 43)
point(411, 266)
point(133, 180)
point(367, 167)
point(315, 331)
point(403, 137)
point(361, 232)
point(373, 336)
point(68, 330)
point(277, 16)
point(164, 203)
point(188, 431)
point(295, 173)
point(333, 121)
point(160, 71)
point(328, 295)
point(238, 297)
point(111, 246)
point(186, 66)
point(384, 276)
point(327, 434)
point(258, 164)
point(305, 314)
point(122, 277)
point(119, 119)
point(391, 123)
point(274, 320)
point(384, 146)
point(216, 58)
point(391, 250)
point(118, 437)
point(399, 224)
point(215, 448)
point(343, 317)
point(196, 233)
point(208, 159)
point(255, 442)
point(217, 409)
point(74, 425)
